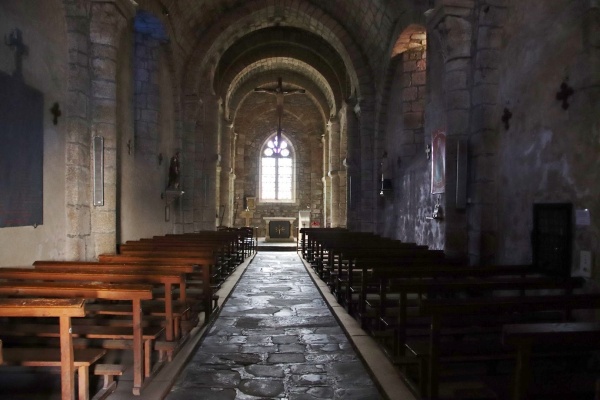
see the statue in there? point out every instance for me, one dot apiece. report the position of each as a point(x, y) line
point(174, 172)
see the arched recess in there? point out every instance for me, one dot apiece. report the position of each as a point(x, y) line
point(402, 144)
point(279, 42)
point(147, 148)
point(292, 72)
point(358, 86)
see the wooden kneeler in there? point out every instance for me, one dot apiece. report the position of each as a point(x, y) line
point(108, 371)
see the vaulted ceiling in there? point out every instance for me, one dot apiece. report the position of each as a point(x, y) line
point(334, 49)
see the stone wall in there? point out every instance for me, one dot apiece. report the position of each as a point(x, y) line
point(303, 127)
point(45, 67)
point(548, 154)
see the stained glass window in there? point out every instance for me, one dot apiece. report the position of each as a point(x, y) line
point(277, 171)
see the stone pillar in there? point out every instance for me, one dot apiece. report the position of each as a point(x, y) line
point(353, 161)
point(108, 19)
point(206, 165)
point(343, 172)
point(232, 176)
point(192, 111)
point(325, 181)
point(225, 203)
point(333, 173)
point(450, 23)
point(78, 150)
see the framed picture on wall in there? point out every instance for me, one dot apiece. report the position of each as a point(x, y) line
point(251, 202)
point(438, 161)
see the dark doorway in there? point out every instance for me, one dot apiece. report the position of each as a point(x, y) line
point(552, 238)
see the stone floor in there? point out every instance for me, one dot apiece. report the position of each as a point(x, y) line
point(275, 338)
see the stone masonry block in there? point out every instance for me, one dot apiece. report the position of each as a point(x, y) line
point(410, 93)
point(456, 80)
point(103, 219)
point(104, 89)
point(488, 58)
point(458, 122)
point(495, 16)
point(485, 117)
point(78, 78)
point(489, 38)
point(409, 66)
point(458, 99)
point(78, 221)
point(486, 75)
point(413, 120)
point(77, 153)
point(77, 105)
point(77, 130)
point(75, 248)
point(104, 110)
point(418, 78)
point(104, 68)
point(104, 242)
point(485, 94)
point(76, 191)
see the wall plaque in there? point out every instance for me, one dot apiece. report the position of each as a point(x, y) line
point(21, 153)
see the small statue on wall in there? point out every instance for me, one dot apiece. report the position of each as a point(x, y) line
point(174, 172)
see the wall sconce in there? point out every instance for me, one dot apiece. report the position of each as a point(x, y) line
point(428, 151)
point(386, 183)
point(386, 186)
point(438, 212)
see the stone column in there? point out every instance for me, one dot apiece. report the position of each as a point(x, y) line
point(226, 133)
point(206, 165)
point(450, 23)
point(353, 160)
point(108, 19)
point(78, 149)
point(325, 181)
point(333, 173)
point(192, 111)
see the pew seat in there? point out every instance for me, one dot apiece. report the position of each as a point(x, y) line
point(51, 357)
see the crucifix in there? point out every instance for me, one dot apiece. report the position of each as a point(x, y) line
point(15, 40)
point(280, 92)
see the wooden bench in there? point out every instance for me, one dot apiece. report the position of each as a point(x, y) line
point(142, 339)
point(64, 357)
point(399, 320)
point(562, 336)
point(200, 282)
point(441, 310)
point(165, 278)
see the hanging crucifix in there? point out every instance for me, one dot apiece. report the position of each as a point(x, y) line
point(279, 93)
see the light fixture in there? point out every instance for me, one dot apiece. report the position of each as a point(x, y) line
point(386, 186)
point(386, 183)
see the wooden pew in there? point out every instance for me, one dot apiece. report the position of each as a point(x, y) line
point(167, 251)
point(525, 337)
point(202, 275)
point(195, 273)
point(65, 356)
point(441, 310)
point(168, 279)
point(134, 293)
point(436, 287)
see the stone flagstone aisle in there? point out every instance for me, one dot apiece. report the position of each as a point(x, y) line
point(275, 338)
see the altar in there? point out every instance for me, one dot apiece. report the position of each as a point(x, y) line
point(279, 229)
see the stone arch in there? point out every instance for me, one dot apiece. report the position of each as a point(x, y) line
point(400, 125)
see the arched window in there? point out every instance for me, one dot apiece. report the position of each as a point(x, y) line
point(277, 171)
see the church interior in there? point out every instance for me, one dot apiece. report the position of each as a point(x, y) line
point(467, 129)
